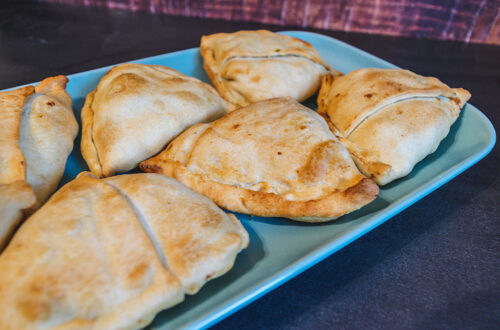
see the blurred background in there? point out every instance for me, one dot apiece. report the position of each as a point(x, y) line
point(459, 20)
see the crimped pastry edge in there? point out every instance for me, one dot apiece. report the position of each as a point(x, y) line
point(262, 204)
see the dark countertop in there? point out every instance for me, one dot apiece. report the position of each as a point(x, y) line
point(435, 265)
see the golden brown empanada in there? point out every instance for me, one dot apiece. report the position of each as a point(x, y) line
point(251, 66)
point(37, 129)
point(14, 198)
point(194, 237)
point(111, 254)
point(273, 158)
point(137, 109)
point(47, 131)
point(12, 163)
point(389, 119)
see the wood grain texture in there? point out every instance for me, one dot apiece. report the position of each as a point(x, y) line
point(461, 20)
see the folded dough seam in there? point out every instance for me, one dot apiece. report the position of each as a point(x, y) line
point(147, 228)
point(392, 101)
point(257, 57)
point(90, 128)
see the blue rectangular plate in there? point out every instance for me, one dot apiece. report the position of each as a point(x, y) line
point(280, 249)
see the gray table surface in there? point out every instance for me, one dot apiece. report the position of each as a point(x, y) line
point(435, 265)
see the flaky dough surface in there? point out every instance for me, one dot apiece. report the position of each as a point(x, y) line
point(389, 119)
point(251, 66)
point(137, 109)
point(272, 158)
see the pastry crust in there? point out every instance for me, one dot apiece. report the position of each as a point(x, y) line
point(12, 164)
point(250, 66)
point(47, 132)
point(137, 109)
point(111, 254)
point(198, 241)
point(37, 129)
point(389, 119)
point(275, 158)
point(14, 198)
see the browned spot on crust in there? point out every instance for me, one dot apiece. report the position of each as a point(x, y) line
point(303, 127)
point(173, 80)
point(317, 165)
point(277, 50)
point(365, 187)
point(51, 103)
point(394, 85)
point(256, 79)
point(127, 82)
point(328, 79)
point(235, 126)
point(187, 96)
point(337, 95)
point(235, 72)
point(369, 95)
point(151, 168)
point(33, 309)
point(138, 272)
point(279, 152)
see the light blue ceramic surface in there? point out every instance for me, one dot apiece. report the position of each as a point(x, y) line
point(280, 249)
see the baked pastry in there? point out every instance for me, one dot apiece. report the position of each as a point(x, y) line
point(196, 239)
point(37, 129)
point(137, 109)
point(251, 66)
point(274, 158)
point(47, 131)
point(103, 254)
point(12, 163)
point(389, 119)
point(15, 197)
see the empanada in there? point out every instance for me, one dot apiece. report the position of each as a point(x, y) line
point(137, 109)
point(389, 119)
point(48, 129)
point(273, 158)
point(251, 66)
point(12, 163)
point(15, 197)
point(111, 254)
point(37, 129)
